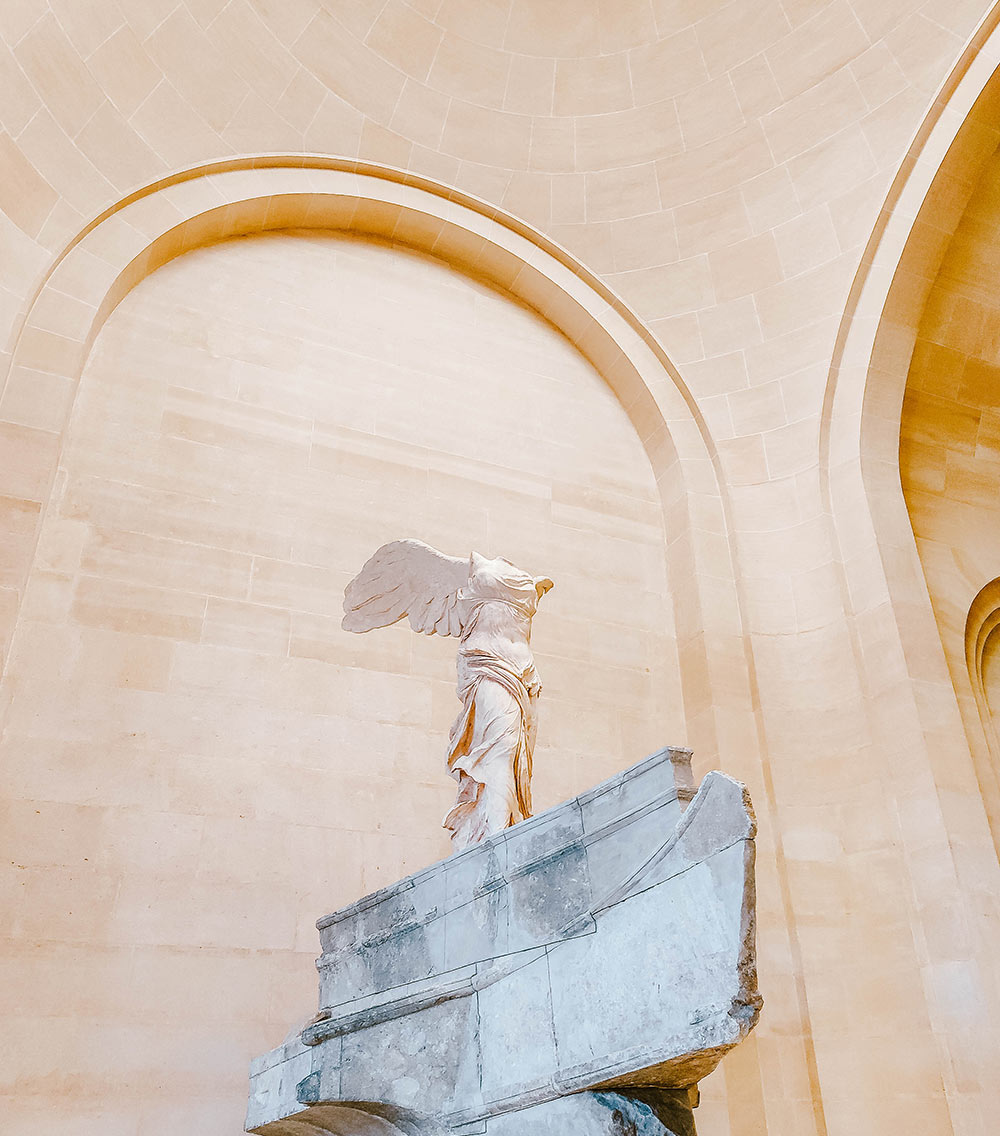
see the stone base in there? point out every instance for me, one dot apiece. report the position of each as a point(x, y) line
point(640, 1112)
point(574, 974)
point(650, 1112)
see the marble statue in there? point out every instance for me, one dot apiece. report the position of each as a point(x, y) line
point(488, 605)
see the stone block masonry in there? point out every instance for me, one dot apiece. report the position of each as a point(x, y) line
point(581, 971)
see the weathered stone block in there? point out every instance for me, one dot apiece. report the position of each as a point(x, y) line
point(579, 972)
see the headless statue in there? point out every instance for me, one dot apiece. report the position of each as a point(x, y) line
point(488, 605)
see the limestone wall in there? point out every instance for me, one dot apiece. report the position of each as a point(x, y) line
point(723, 169)
point(223, 764)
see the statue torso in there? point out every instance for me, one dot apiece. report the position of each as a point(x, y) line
point(501, 600)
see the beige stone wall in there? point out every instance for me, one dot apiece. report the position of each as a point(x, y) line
point(722, 168)
point(221, 762)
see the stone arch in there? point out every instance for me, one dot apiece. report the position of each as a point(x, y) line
point(945, 795)
point(861, 415)
point(982, 641)
point(917, 708)
point(885, 593)
point(224, 200)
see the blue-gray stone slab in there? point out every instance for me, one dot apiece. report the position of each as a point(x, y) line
point(601, 950)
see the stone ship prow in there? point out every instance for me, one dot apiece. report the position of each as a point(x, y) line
point(580, 960)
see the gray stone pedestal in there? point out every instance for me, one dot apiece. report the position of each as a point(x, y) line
point(578, 973)
point(640, 1112)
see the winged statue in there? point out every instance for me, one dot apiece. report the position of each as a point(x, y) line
point(488, 605)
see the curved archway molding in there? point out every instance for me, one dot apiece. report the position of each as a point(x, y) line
point(883, 585)
point(919, 748)
point(921, 211)
point(982, 631)
point(863, 402)
point(216, 203)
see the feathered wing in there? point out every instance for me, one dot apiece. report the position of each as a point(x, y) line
point(408, 577)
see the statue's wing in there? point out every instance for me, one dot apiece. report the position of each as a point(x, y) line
point(408, 577)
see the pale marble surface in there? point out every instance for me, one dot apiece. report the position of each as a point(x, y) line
point(488, 605)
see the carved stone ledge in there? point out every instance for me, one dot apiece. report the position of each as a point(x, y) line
point(581, 972)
